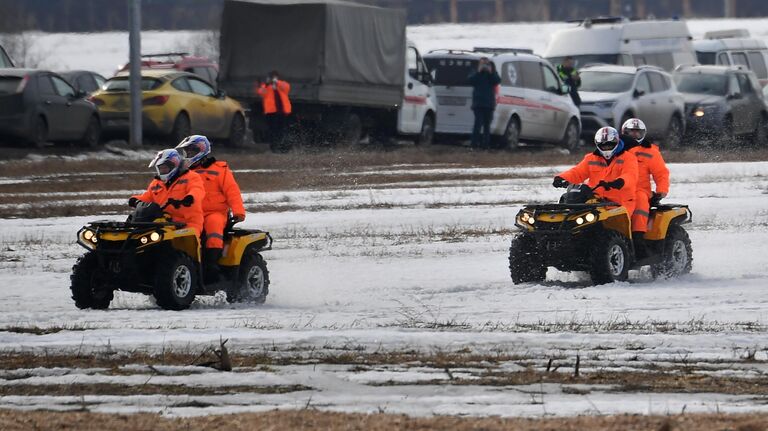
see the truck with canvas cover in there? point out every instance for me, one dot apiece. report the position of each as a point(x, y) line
point(351, 70)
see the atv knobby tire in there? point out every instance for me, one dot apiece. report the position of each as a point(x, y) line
point(175, 281)
point(525, 265)
point(678, 255)
point(252, 282)
point(610, 258)
point(86, 289)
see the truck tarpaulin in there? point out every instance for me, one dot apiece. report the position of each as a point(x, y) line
point(329, 51)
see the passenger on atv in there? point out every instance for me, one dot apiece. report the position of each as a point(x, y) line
point(222, 196)
point(610, 171)
point(650, 163)
point(172, 184)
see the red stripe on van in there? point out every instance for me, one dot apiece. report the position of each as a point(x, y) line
point(416, 100)
point(519, 101)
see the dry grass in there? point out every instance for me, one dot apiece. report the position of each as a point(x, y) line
point(11, 420)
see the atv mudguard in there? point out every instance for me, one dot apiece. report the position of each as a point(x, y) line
point(665, 216)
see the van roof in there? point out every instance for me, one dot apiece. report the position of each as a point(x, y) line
point(708, 68)
point(607, 38)
point(714, 45)
point(500, 56)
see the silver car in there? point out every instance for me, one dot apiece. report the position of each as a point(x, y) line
point(612, 94)
point(530, 103)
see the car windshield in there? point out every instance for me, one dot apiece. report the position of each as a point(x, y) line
point(122, 84)
point(606, 82)
point(451, 72)
point(702, 83)
point(580, 61)
point(9, 84)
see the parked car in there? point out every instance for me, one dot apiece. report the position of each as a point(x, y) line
point(616, 40)
point(5, 60)
point(531, 105)
point(84, 80)
point(726, 100)
point(175, 105)
point(40, 106)
point(182, 61)
point(734, 47)
point(612, 94)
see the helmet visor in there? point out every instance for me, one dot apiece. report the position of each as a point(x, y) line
point(190, 151)
point(165, 168)
point(607, 146)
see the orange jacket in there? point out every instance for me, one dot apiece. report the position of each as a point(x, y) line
point(188, 183)
point(221, 189)
point(650, 163)
point(595, 168)
point(267, 93)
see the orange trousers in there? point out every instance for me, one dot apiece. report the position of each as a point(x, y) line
point(642, 213)
point(214, 225)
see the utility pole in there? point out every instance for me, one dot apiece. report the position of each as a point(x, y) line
point(134, 40)
point(687, 10)
point(454, 11)
point(499, 10)
point(729, 8)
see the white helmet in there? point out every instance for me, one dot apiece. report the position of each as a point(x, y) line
point(167, 163)
point(194, 148)
point(608, 142)
point(634, 124)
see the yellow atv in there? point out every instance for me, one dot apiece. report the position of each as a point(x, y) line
point(585, 233)
point(150, 254)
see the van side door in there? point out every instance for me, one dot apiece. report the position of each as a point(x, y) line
point(534, 118)
point(416, 94)
point(555, 105)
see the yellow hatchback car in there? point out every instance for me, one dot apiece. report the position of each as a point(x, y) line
point(175, 105)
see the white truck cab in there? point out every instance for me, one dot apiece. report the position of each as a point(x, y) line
point(666, 44)
point(418, 112)
point(733, 48)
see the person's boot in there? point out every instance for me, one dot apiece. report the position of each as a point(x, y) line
point(211, 270)
point(641, 248)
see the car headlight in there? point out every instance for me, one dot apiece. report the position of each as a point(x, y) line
point(703, 110)
point(605, 105)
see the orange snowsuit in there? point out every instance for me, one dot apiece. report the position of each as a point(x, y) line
point(267, 93)
point(221, 194)
point(595, 168)
point(649, 163)
point(188, 183)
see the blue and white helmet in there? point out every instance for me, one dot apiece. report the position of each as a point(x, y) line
point(608, 142)
point(194, 148)
point(167, 163)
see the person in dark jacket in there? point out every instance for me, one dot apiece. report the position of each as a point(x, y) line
point(571, 79)
point(484, 82)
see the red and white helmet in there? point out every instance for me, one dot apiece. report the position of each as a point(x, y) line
point(634, 124)
point(608, 142)
point(167, 163)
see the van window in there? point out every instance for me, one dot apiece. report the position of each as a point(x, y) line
point(744, 85)
point(722, 58)
point(580, 61)
point(412, 61)
point(451, 72)
point(551, 83)
point(530, 73)
point(740, 58)
point(643, 85)
point(705, 57)
point(658, 83)
point(510, 75)
point(757, 63)
point(606, 82)
point(664, 60)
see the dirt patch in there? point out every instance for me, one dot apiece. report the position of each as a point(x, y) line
point(11, 420)
point(145, 389)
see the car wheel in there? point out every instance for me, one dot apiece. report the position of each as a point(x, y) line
point(511, 138)
point(41, 133)
point(182, 128)
point(571, 136)
point(761, 133)
point(92, 136)
point(674, 133)
point(427, 135)
point(237, 131)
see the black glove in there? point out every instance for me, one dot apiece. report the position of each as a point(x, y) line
point(174, 203)
point(132, 202)
point(617, 184)
point(656, 199)
point(559, 183)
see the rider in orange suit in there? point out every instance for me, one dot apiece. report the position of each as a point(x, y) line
point(171, 185)
point(222, 195)
point(609, 166)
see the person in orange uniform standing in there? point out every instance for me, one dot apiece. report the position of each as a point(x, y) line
point(222, 195)
point(172, 184)
point(610, 167)
point(650, 164)
point(276, 104)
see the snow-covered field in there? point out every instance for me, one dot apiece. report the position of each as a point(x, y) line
point(105, 52)
point(424, 269)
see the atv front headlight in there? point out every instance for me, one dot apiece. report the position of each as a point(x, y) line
point(590, 217)
point(88, 234)
point(154, 237)
point(585, 219)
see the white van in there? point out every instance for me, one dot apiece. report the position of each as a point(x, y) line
point(666, 44)
point(530, 103)
point(733, 48)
